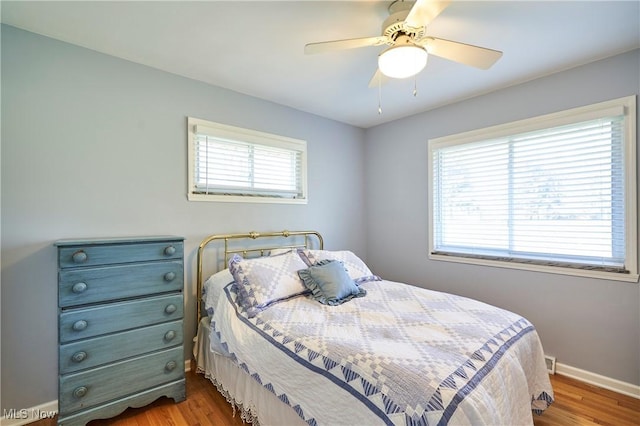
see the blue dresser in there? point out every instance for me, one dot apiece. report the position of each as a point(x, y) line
point(120, 333)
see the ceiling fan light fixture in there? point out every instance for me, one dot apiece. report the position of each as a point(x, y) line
point(402, 61)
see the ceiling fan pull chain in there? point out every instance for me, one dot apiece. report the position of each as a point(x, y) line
point(415, 86)
point(380, 95)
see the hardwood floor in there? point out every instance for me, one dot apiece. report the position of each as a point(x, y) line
point(576, 403)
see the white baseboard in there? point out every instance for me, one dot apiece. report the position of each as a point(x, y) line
point(29, 415)
point(24, 416)
point(598, 380)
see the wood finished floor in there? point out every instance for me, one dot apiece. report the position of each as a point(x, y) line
point(576, 403)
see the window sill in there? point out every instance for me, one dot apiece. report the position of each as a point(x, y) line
point(245, 199)
point(632, 278)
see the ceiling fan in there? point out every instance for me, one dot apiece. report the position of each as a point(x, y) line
point(404, 32)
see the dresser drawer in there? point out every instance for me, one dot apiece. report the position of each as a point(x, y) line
point(88, 353)
point(87, 322)
point(92, 255)
point(88, 285)
point(92, 387)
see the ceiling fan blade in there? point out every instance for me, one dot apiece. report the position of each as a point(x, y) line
point(425, 11)
point(475, 56)
point(378, 79)
point(330, 46)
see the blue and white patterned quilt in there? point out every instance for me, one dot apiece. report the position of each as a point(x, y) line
point(400, 355)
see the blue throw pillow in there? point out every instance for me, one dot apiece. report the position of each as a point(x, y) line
point(329, 282)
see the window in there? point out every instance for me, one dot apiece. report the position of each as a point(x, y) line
point(232, 164)
point(555, 193)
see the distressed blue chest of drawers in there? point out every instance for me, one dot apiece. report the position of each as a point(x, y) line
point(120, 332)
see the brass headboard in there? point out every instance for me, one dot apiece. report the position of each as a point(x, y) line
point(229, 250)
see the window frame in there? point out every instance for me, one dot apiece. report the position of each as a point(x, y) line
point(548, 121)
point(250, 137)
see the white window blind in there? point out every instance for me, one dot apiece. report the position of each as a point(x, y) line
point(555, 196)
point(232, 164)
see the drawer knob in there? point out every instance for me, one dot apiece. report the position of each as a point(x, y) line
point(79, 392)
point(79, 287)
point(170, 250)
point(171, 365)
point(170, 276)
point(79, 256)
point(79, 356)
point(170, 308)
point(169, 335)
point(80, 325)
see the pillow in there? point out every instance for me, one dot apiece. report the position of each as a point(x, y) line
point(213, 288)
point(279, 251)
point(356, 268)
point(329, 283)
point(262, 281)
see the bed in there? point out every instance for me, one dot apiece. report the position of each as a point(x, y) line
point(293, 334)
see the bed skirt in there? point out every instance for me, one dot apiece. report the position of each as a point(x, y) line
point(249, 399)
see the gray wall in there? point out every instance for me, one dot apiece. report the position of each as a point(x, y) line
point(95, 146)
point(586, 323)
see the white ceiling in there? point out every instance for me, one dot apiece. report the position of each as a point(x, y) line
point(257, 47)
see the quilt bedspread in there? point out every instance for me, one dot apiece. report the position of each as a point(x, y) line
point(400, 355)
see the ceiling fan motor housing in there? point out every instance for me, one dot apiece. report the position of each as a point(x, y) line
point(394, 26)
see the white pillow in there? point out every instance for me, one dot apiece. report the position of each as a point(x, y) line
point(213, 287)
point(279, 251)
point(263, 281)
point(355, 267)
